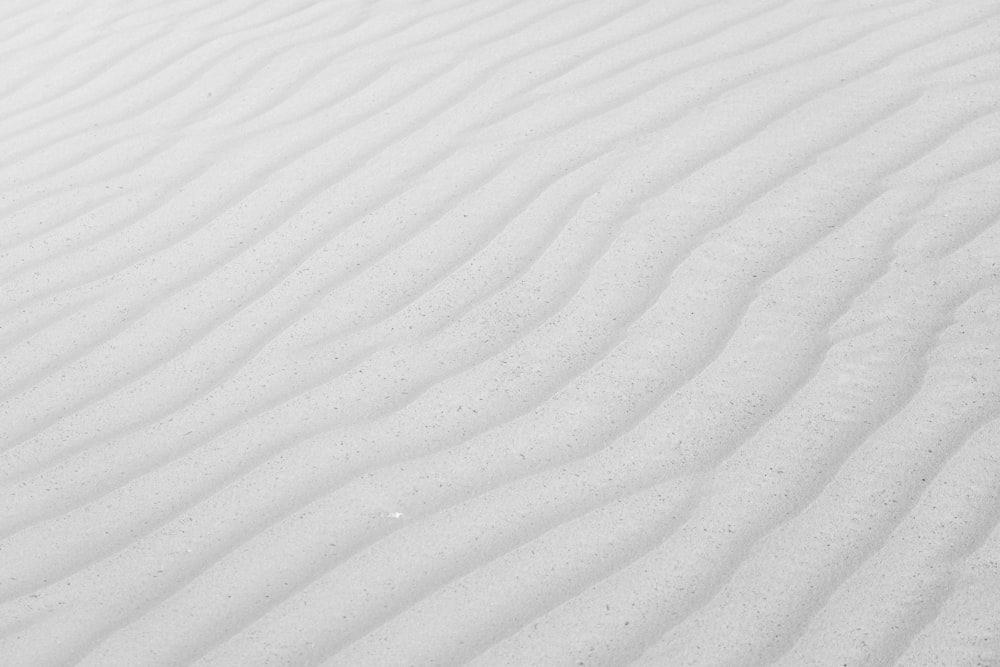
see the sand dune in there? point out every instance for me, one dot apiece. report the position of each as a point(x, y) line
point(497, 332)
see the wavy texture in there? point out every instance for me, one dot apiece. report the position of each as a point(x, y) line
point(499, 333)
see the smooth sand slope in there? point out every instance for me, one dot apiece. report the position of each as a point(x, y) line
point(499, 332)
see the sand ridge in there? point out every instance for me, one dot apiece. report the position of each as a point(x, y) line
point(499, 333)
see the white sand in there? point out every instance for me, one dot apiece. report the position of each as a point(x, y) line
point(499, 332)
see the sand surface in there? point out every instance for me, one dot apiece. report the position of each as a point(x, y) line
point(499, 332)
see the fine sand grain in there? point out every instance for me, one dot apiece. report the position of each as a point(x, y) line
point(500, 332)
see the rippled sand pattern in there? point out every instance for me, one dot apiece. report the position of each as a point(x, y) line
point(500, 332)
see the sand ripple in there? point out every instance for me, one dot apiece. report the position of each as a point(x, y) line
point(497, 332)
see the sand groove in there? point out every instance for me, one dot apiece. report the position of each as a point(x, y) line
point(499, 333)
